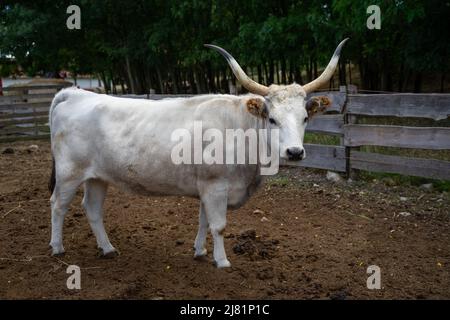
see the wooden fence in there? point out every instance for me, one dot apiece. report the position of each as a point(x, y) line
point(347, 156)
point(24, 111)
point(420, 106)
point(25, 116)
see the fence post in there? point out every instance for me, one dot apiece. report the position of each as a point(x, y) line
point(350, 119)
point(343, 89)
point(36, 129)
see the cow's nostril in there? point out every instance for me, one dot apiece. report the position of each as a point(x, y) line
point(295, 153)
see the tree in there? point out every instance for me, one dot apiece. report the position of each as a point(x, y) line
point(158, 44)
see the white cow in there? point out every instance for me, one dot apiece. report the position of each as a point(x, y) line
point(98, 140)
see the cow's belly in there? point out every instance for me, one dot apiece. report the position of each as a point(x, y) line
point(167, 179)
point(241, 189)
point(162, 179)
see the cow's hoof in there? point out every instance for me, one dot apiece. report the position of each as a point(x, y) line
point(109, 255)
point(223, 263)
point(57, 251)
point(58, 254)
point(201, 254)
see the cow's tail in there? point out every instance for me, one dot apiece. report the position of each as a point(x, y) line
point(52, 181)
point(61, 96)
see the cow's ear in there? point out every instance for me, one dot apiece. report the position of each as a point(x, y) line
point(257, 107)
point(317, 105)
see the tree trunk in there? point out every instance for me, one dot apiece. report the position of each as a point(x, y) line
point(298, 75)
point(105, 82)
point(283, 71)
point(198, 82)
point(418, 82)
point(291, 71)
point(174, 79)
point(342, 75)
point(266, 74)
point(160, 81)
point(192, 88)
point(277, 72)
point(130, 75)
point(309, 70)
point(260, 75)
point(114, 90)
point(210, 80)
point(350, 73)
point(122, 86)
point(271, 72)
point(316, 72)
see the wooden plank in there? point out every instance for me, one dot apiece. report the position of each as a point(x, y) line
point(48, 96)
point(30, 129)
point(165, 96)
point(154, 96)
point(20, 99)
point(397, 136)
point(22, 115)
point(327, 124)
point(321, 157)
point(22, 138)
point(30, 119)
point(35, 87)
point(428, 168)
point(9, 100)
point(132, 96)
point(338, 100)
point(433, 106)
point(27, 105)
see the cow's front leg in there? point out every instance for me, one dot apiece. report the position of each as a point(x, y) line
point(214, 198)
point(200, 239)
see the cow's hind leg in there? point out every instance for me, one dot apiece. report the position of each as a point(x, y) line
point(60, 201)
point(199, 244)
point(94, 196)
point(214, 198)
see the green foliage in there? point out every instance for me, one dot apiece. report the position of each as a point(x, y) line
point(159, 44)
point(397, 179)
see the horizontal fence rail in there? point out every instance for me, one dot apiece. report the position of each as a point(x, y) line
point(327, 124)
point(24, 115)
point(428, 168)
point(420, 106)
point(432, 106)
point(396, 136)
point(24, 111)
point(322, 157)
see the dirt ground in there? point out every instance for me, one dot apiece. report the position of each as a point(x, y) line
point(300, 237)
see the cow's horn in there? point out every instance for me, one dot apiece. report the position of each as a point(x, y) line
point(248, 83)
point(327, 73)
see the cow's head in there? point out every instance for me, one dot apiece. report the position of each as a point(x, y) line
point(285, 106)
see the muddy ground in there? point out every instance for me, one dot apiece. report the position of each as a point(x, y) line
point(299, 237)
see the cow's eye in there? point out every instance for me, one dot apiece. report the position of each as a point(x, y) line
point(306, 120)
point(272, 121)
